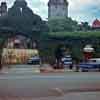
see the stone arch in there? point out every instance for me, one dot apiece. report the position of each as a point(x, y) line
point(20, 41)
point(9, 46)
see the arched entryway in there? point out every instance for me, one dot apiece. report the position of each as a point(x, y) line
point(18, 49)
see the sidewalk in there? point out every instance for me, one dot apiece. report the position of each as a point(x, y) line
point(19, 69)
point(4, 70)
point(46, 68)
point(28, 69)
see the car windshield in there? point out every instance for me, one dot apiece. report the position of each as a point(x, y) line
point(92, 61)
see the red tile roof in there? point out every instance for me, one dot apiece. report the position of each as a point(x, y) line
point(96, 24)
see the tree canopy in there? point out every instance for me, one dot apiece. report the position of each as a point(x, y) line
point(62, 24)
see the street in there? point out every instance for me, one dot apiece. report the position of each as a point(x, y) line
point(50, 86)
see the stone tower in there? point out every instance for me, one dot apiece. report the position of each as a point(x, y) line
point(3, 9)
point(20, 3)
point(57, 9)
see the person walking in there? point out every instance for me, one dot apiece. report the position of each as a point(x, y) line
point(58, 56)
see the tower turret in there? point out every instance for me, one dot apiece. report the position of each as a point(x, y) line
point(3, 9)
point(57, 8)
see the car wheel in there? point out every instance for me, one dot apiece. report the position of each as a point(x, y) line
point(84, 70)
point(71, 67)
point(99, 69)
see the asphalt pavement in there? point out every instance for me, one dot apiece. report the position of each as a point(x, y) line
point(50, 86)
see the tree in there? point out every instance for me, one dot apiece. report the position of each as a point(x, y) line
point(5, 34)
point(1, 51)
point(85, 26)
point(62, 24)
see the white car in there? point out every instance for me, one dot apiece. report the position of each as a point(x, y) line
point(94, 60)
point(35, 60)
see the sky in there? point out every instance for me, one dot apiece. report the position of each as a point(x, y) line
point(80, 10)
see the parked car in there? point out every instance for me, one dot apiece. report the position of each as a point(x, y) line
point(67, 61)
point(35, 60)
point(91, 64)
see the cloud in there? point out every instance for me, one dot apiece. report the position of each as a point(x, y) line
point(39, 7)
point(84, 10)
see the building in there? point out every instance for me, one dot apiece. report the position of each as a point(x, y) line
point(3, 9)
point(20, 3)
point(57, 9)
point(96, 24)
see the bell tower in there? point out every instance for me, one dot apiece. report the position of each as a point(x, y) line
point(3, 8)
point(57, 9)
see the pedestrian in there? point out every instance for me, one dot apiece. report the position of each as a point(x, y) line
point(77, 65)
point(58, 56)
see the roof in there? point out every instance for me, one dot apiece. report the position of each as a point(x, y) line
point(57, 2)
point(3, 3)
point(96, 24)
point(20, 0)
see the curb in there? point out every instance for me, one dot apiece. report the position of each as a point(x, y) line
point(4, 71)
point(33, 70)
point(55, 71)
